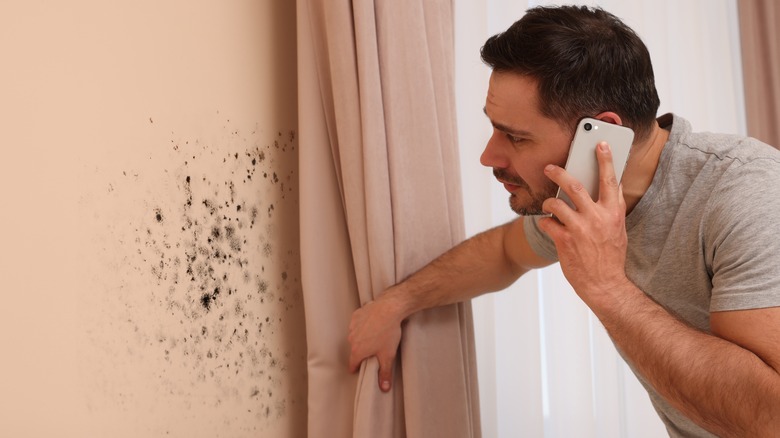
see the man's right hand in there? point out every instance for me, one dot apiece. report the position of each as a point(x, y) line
point(375, 330)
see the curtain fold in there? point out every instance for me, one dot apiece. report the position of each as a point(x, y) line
point(760, 38)
point(379, 198)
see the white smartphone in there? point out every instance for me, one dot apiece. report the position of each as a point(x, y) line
point(582, 163)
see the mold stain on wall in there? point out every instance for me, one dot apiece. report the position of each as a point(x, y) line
point(199, 309)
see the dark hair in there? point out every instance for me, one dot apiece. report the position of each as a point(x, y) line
point(585, 60)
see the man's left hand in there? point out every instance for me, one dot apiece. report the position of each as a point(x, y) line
point(591, 241)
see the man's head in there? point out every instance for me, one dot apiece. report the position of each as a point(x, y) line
point(585, 60)
point(569, 62)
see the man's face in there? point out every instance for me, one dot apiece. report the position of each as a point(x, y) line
point(523, 142)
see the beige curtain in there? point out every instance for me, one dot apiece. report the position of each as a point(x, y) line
point(759, 22)
point(379, 198)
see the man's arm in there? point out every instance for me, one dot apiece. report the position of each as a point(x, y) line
point(727, 382)
point(487, 262)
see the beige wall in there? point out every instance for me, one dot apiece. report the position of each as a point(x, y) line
point(150, 274)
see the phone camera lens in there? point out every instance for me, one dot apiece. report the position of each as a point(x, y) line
point(587, 126)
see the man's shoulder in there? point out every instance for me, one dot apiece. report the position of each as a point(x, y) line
point(722, 146)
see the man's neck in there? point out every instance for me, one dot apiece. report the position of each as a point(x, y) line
point(641, 166)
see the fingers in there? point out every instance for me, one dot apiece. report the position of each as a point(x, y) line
point(573, 188)
point(608, 186)
point(372, 334)
point(385, 373)
point(608, 183)
point(552, 227)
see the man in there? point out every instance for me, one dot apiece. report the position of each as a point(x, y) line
point(678, 261)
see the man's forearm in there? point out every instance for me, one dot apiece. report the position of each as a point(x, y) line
point(721, 386)
point(486, 262)
point(478, 265)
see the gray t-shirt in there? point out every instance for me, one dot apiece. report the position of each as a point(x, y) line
point(704, 237)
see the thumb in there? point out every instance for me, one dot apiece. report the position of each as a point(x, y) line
point(386, 373)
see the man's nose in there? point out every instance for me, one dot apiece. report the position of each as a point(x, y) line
point(493, 155)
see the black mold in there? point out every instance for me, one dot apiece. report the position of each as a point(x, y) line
point(210, 267)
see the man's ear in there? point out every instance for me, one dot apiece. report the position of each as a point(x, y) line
point(610, 117)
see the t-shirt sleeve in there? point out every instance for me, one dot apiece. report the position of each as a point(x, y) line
point(540, 242)
point(744, 237)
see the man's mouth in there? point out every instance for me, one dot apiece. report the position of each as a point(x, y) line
point(510, 187)
point(510, 184)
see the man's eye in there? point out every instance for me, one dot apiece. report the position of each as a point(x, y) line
point(513, 139)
